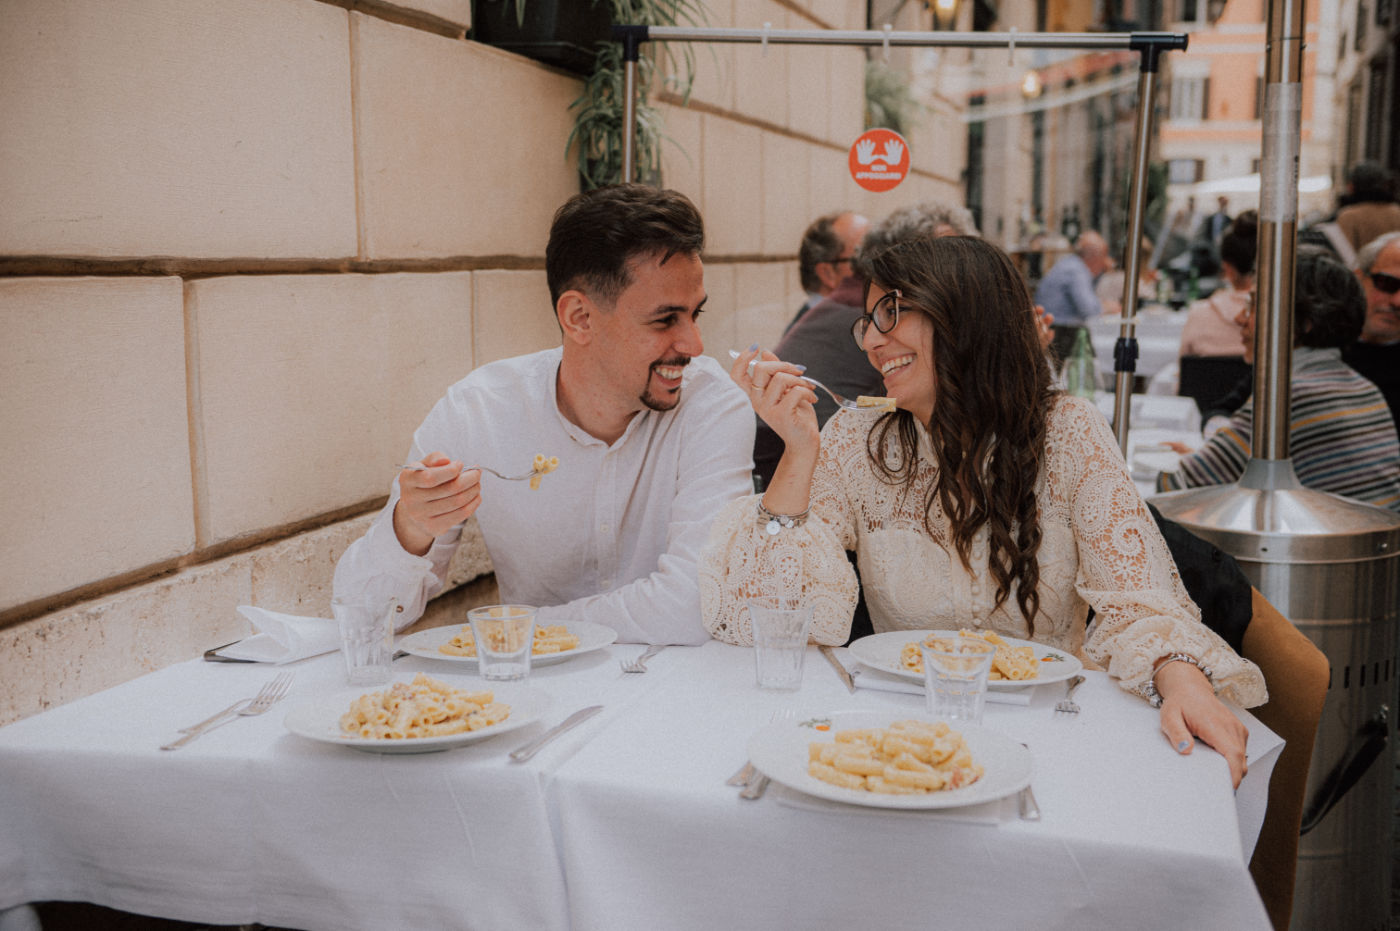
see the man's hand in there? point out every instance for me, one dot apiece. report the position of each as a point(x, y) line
point(1044, 324)
point(1190, 709)
point(434, 500)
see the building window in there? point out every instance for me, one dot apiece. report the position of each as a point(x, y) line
point(1256, 165)
point(1190, 97)
point(1259, 97)
point(1358, 38)
point(1185, 170)
point(1189, 10)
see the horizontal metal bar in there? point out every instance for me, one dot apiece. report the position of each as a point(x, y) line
point(1136, 41)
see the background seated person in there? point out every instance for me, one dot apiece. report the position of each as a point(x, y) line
point(1376, 353)
point(652, 440)
point(989, 499)
point(1342, 438)
point(1210, 328)
point(824, 256)
point(1067, 291)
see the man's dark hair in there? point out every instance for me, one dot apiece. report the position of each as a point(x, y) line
point(819, 244)
point(1329, 306)
point(1370, 182)
point(596, 235)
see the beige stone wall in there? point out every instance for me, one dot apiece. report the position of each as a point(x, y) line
point(246, 244)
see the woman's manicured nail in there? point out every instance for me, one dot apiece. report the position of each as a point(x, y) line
point(1181, 747)
point(802, 368)
point(753, 347)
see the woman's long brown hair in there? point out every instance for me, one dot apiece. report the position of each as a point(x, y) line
point(991, 407)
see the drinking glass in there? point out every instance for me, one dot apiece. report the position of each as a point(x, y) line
point(504, 636)
point(779, 640)
point(955, 677)
point(366, 638)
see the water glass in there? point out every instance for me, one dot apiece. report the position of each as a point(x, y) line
point(779, 641)
point(366, 638)
point(955, 677)
point(504, 635)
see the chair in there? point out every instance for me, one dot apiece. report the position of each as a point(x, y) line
point(1296, 673)
point(1207, 379)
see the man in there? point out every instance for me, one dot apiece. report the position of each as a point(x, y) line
point(1377, 354)
point(1341, 438)
point(1371, 210)
point(1067, 292)
point(652, 439)
point(824, 256)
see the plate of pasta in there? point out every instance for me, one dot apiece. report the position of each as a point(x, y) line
point(421, 715)
point(1017, 664)
point(554, 643)
point(889, 760)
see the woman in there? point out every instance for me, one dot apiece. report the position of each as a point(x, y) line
point(1210, 324)
point(988, 499)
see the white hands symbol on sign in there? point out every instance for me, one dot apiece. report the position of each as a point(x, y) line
point(865, 151)
point(894, 151)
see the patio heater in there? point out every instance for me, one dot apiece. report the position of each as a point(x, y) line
point(1329, 564)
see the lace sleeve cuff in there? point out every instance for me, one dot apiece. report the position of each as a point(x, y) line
point(803, 562)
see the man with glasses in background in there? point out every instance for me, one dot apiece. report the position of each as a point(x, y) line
point(824, 256)
point(1376, 355)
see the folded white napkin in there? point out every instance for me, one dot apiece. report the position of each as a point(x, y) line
point(283, 638)
point(865, 677)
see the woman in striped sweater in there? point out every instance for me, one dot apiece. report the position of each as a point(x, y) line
point(1342, 438)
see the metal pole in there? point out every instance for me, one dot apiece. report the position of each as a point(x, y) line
point(1278, 230)
point(880, 38)
point(1125, 351)
point(632, 38)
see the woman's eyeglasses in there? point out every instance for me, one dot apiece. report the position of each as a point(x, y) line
point(885, 314)
point(1386, 284)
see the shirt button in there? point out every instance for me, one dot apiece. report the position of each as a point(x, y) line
point(602, 528)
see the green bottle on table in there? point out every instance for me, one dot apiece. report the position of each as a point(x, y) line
point(1079, 367)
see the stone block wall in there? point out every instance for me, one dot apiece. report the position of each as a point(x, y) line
point(246, 244)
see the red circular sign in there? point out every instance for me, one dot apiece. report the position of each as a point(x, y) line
point(879, 159)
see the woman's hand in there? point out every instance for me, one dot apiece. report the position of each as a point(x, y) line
point(1190, 709)
point(781, 397)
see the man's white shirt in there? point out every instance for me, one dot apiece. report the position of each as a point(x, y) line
point(612, 536)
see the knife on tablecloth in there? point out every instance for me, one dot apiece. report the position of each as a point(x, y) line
point(836, 664)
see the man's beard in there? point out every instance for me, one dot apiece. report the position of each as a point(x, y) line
point(667, 403)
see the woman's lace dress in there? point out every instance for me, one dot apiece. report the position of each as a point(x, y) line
point(1100, 547)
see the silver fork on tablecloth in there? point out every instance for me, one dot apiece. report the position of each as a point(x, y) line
point(271, 693)
point(1065, 705)
point(640, 663)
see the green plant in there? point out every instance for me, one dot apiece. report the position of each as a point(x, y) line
point(888, 103)
point(597, 136)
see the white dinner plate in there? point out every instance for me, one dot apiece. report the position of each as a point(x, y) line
point(319, 718)
point(779, 751)
point(882, 652)
point(425, 643)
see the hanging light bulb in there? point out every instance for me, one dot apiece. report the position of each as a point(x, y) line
point(1030, 84)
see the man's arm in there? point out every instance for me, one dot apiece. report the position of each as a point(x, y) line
point(715, 466)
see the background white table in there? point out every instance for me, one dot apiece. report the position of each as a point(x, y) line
point(622, 823)
point(1158, 332)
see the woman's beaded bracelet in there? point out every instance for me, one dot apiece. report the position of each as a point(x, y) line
point(1149, 687)
point(773, 524)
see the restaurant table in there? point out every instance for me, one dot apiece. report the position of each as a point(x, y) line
point(1158, 331)
point(623, 822)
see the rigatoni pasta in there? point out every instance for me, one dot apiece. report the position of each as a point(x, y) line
point(1010, 663)
point(425, 707)
point(906, 758)
point(554, 638)
point(542, 467)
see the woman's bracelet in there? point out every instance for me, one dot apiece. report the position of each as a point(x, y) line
point(774, 524)
point(1149, 687)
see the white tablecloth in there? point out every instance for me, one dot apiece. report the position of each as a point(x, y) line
point(1158, 333)
point(622, 823)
